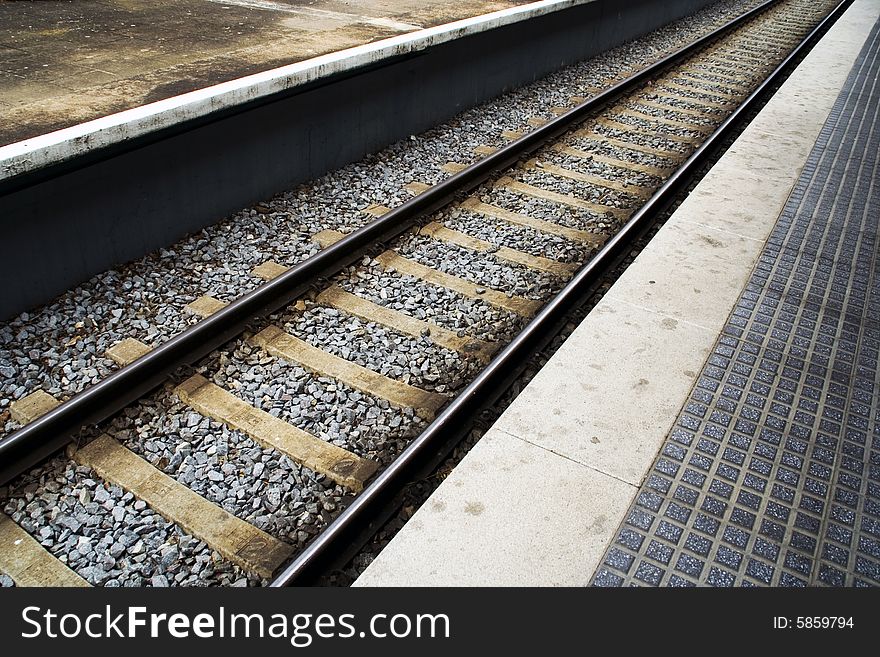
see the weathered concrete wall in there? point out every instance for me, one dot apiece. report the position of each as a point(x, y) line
point(62, 223)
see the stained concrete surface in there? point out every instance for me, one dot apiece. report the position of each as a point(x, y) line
point(66, 62)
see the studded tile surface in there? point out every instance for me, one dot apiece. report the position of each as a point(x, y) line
point(771, 475)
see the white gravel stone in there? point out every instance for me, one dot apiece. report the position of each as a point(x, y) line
point(520, 238)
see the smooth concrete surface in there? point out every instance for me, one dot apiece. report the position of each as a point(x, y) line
point(608, 397)
point(618, 380)
point(489, 526)
point(690, 272)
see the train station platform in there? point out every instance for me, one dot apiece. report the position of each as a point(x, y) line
point(125, 127)
point(714, 420)
point(68, 63)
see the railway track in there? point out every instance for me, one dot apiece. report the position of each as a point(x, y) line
point(311, 361)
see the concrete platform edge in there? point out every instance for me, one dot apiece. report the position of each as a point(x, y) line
point(55, 146)
point(82, 202)
point(606, 416)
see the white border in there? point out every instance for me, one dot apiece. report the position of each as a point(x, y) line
point(60, 145)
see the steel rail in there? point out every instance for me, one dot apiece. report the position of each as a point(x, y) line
point(343, 535)
point(42, 437)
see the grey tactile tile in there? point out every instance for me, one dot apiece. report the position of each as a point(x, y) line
point(771, 475)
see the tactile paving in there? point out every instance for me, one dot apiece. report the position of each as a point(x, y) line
point(771, 474)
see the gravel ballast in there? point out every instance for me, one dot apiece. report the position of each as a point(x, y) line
point(430, 302)
point(60, 347)
point(596, 145)
point(480, 268)
point(600, 169)
point(107, 536)
point(414, 361)
point(551, 211)
point(359, 422)
point(256, 484)
point(521, 238)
